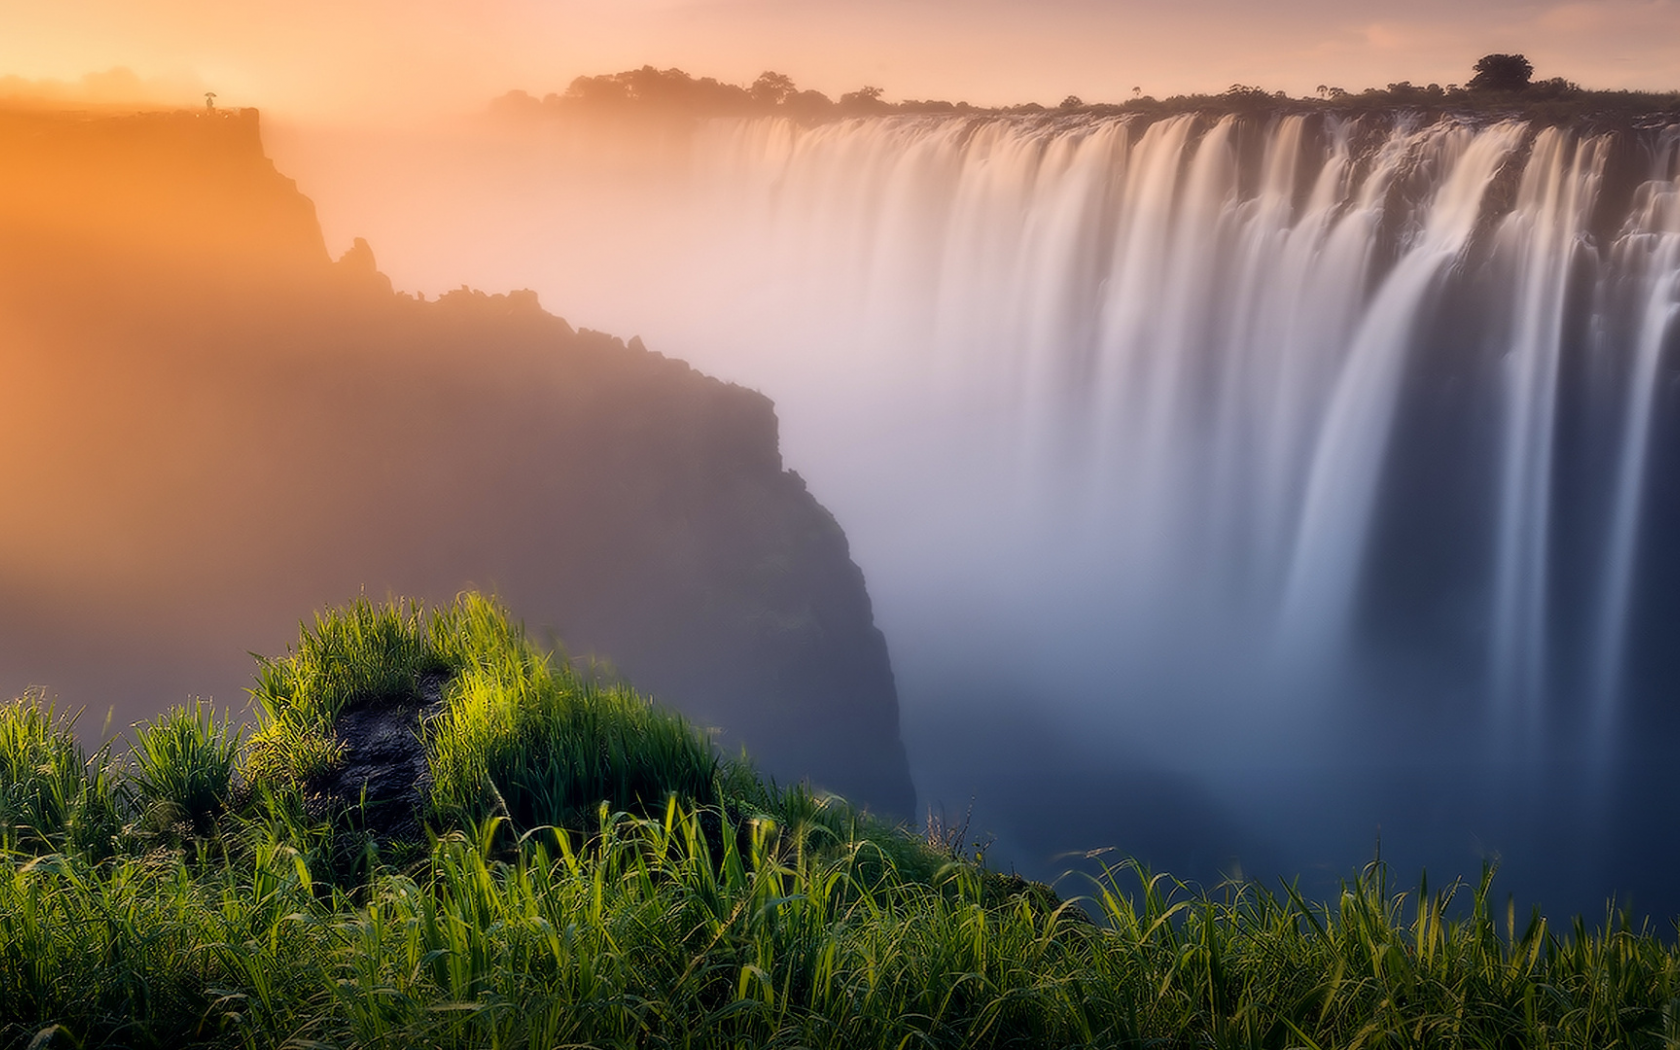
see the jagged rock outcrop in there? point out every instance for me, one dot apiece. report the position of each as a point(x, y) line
point(215, 429)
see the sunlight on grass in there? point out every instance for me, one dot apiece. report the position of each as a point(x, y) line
point(53, 795)
point(183, 763)
point(593, 874)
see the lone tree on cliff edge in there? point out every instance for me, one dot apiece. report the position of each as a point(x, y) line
point(1501, 73)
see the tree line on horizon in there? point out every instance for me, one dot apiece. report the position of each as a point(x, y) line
point(1503, 80)
point(673, 91)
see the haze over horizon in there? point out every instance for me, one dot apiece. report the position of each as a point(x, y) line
point(382, 61)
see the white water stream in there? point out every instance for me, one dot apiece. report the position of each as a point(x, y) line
point(1197, 349)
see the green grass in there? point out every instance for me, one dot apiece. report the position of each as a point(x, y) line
point(183, 765)
point(513, 734)
point(362, 653)
point(520, 738)
point(594, 875)
point(637, 935)
point(53, 795)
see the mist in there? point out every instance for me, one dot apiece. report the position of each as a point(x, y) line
point(1097, 633)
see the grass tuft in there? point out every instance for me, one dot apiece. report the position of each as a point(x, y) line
point(542, 745)
point(363, 652)
point(184, 762)
point(53, 795)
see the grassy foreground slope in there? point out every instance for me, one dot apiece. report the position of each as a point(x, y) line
point(591, 873)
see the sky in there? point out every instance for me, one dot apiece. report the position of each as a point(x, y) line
point(355, 60)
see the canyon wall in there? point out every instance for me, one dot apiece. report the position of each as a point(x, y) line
point(213, 429)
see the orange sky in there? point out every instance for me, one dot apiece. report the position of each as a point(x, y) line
point(379, 59)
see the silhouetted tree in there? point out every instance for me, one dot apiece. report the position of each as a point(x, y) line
point(1248, 97)
point(772, 88)
point(1072, 102)
point(667, 90)
point(866, 99)
point(1556, 87)
point(517, 103)
point(1407, 92)
point(809, 103)
point(1501, 73)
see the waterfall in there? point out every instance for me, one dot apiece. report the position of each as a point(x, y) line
point(1231, 349)
point(1645, 259)
point(1347, 450)
point(1539, 237)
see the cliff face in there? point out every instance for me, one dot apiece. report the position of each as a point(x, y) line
point(176, 189)
point(212, 429)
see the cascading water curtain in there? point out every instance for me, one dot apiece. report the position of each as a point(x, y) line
point(1335, 384)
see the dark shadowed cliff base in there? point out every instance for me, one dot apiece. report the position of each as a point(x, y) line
point(212, 429)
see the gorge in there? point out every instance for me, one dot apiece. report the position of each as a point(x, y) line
point(1240, 486)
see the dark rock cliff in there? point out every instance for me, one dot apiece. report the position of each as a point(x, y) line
point(212, 429)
